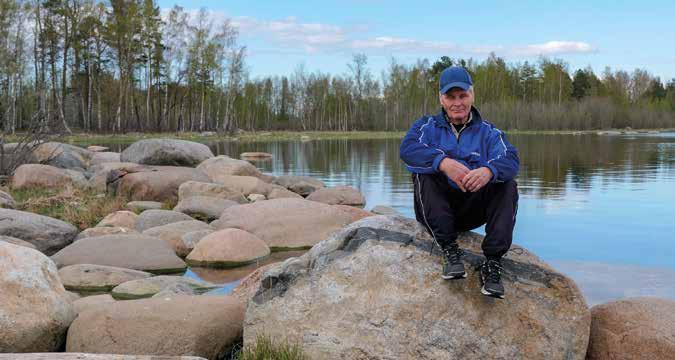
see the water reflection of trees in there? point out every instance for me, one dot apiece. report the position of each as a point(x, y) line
point(550, 164)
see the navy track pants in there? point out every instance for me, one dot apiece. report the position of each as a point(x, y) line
point(446, 211)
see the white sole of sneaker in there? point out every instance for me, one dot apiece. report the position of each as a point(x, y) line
point(454, 277)
point(487, 293)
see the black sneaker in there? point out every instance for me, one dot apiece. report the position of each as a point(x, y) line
point(453, 267)
point(490, 277)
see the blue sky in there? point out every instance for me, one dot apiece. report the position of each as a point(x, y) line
point(323, 35)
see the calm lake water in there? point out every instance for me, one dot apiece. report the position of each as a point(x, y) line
point(597, 207)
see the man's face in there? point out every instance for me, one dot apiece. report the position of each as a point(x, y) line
point(457, 104)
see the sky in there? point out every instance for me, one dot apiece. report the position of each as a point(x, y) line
point(324, 35)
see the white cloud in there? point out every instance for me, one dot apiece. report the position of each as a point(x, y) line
point(554, 48)
point(290, 33)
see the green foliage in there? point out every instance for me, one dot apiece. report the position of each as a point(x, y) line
point(118, 67)
point(266, 349)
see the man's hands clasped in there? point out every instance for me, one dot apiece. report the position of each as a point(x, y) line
point(471, 180)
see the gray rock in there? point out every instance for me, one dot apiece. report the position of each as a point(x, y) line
point(196, 188)
point(152, 218)
point(99, 173)
point(285, 224)
point(219, 166)
point(228, 248)
point(97, 278)
point(144, 288)
point(170, 152)
point(374, 290)
point(339, 195)
point(83, 356)
point(204, 207)
point(6, 200)
point(15, 241)
point(104, 157)
point(206, 326)
point(302, 185)
point(63, 156)
point(105, 230)
point(136, 252)
point(172, 233)
point(160, 183)
point(174, 290)
point(47, 234)
point(635, 328)
point(88, 302)
point(35, 310)
point(384, 210)
point(29, 176)
point(191, 239)
point(140, 206)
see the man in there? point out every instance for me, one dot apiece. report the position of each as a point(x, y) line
point(463, 169)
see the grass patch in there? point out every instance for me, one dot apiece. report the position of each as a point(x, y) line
point(266, 349)
point(83, 208)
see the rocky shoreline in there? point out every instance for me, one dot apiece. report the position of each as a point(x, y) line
point(368, 287)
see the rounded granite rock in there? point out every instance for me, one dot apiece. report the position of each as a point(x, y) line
point(228, 248)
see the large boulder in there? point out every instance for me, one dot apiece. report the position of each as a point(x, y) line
point(63, 156)
point(104, 157)
point(228, 248)
point(122, 218)
point(196, 188)
point(86, 302)
point(191, 239)
point(105, 230)
point(636, 328)
point(153, 218)
point(302, 185)
point(45, 176)
point(222, 165)
point(97, 278)
point(374, 290)
point(140, 206)
point(205, 326)
point(15, 241)
point(285, 224)
point(47, 234)
point(144, 288)
point(159, 184)
point(6, 200)
point(83, 356)
point(173, 233)
point(204, 207)
point(339, 195)
point(35, 310)
point(166, 152)
point(138, 252)
point(100, 173)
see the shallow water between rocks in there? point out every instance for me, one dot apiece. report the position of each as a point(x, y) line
point(597, 207)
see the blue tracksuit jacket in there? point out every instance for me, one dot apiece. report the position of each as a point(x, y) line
point(431, 139)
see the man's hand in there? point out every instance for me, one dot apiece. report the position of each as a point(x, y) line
point(455, 171)
point(476, 179)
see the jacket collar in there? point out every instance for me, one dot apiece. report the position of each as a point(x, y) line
point(474, 117)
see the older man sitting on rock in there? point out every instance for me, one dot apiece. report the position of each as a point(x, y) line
point(463, 169)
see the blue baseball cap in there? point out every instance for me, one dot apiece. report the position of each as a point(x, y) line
point(454, 76)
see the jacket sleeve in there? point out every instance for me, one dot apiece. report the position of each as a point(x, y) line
point(502, 157)
point(418, 155)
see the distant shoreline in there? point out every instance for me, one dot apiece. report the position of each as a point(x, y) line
point(262, 136)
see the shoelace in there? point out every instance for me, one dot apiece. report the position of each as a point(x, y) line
point(453, 253)
point(493, 269)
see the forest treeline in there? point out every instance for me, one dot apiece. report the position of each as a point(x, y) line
point(122, 65)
